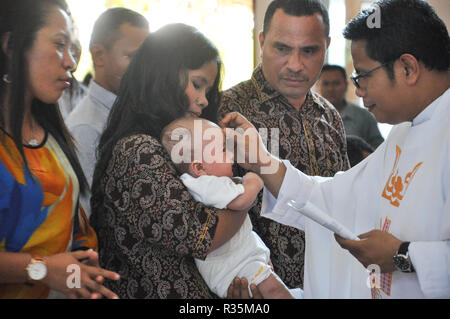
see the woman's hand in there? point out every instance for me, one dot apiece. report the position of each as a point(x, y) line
point(89, 282)
point(239, 290)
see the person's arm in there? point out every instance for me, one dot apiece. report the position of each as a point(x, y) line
point(161, 207)
point(252, 184)
point(431, 259)
point(332, 194)
point(228, 225)
point(284, 183)
point(267, 166)
point(12, 267)
point(274, 181)
point(84, 236)
point(13, 271)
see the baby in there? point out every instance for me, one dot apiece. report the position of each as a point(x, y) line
point(209, 178)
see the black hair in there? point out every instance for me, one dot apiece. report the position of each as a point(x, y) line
point(406, 26)
point(334, 67)
point(152, 90)
point(297, 8)
point(87, 79)
point(22, 19)
point(107, 24)
point(355, 148)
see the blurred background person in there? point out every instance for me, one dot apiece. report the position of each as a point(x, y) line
point(87, 79)
point(117, 34)
point(357, 149)
point(333, 85)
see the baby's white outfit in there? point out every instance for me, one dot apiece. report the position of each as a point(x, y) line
point(245, 254)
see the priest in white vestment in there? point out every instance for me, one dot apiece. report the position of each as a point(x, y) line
point(398, 199)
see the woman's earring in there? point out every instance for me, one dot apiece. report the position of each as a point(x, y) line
point(6, 79)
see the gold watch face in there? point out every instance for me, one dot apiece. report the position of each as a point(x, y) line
point(37, 270)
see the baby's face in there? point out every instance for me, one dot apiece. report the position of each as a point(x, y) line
point(200, 142)
point(217, 160)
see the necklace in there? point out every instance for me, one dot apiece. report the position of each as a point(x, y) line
point(32, 141)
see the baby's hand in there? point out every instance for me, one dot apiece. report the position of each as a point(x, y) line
point(253, 178)
point(252, 186)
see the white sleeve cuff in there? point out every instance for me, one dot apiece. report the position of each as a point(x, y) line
point(431, 260)
point(296, 186)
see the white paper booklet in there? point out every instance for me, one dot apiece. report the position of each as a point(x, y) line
point(313, 212)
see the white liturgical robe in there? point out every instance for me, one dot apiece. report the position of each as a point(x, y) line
point(402, 188)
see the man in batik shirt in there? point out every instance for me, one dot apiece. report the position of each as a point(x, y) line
point(311, 134)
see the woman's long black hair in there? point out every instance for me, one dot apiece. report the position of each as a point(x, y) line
point(21, 20)
point(151, 93)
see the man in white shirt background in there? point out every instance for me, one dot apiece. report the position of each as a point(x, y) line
point(397, 199)
point(117, 35)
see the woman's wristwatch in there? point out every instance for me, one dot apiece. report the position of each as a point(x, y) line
point(402, 261)
point(37, 268)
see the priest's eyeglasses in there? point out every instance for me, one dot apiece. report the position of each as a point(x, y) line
point(355, 77)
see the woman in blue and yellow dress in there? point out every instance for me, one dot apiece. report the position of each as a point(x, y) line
point(45, 237)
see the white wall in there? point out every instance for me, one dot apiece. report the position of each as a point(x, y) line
point(442, 8)
point(260, 10)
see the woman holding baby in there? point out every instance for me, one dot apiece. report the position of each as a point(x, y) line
point(149, 227)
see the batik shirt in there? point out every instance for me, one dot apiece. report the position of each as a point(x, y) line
point(39, 213)
point(312, 139)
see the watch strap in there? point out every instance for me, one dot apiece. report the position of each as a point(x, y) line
point(404, 250)
point(37, 258)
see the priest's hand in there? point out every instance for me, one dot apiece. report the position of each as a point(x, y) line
point(375, 247)
point(246, 143)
